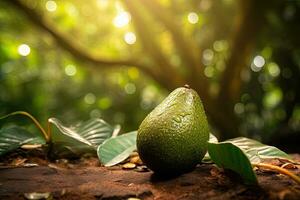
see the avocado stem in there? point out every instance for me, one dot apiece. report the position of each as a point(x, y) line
point(187, 86)
point(279, 170)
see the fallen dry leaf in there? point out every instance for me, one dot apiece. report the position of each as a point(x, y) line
point(136, 160)
point(129, 165)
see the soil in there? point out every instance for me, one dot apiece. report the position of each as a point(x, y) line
point(86, 179)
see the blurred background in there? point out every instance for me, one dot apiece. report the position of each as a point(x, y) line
point(117, 59)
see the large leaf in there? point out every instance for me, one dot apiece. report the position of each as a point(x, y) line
point(117, 149)
point(13, 137)
point(207, 158)
point(237, 154)
point(229, 156)
point(83, 138)
point(257, 151)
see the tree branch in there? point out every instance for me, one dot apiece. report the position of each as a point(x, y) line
point(163, 73)
point(75, 49)
point(173, 78)
point(187, 49)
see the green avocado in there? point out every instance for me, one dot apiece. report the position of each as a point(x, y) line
point(172, 139)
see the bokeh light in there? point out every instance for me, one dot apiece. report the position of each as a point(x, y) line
point(95, 113)
point(130, 88)
point(90, 98)
point(104, 103)
point(70, 70)
point(220, 45)
point(122, 19)
point(51, 6)
point(130, 38)
point(272, 98)
point(239, 108)
point(24, 50)
point(273, 69)
point(209, 71)
point(258, 63)
point(207, 56)
point(193, 18)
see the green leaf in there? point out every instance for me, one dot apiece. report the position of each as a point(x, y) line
point(36, 122)
point(117, 149)
point(256, 151)
point(207, 158)
point(83, 138)
point(13, 137)
point(229, 156)
point(212, 138)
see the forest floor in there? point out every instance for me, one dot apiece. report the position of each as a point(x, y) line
point(36, 178)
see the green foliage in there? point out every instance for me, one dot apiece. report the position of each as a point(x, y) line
point(82, 138)
point(45, 83)
point(47, 79)
point(212, 139)
point(238, 154)
point(66, 141)
point(229, 156)
point(117, 149)
point(256, 151)
point(13, 137)
point(95, 135)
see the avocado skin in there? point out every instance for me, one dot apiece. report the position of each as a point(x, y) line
point(172, 139)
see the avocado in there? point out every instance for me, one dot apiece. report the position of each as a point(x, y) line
point(172, 139)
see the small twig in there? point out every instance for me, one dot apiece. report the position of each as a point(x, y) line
point(278, 169)
point(26, 165)
point(289, 161)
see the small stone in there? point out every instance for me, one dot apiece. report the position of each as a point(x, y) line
point(133, 198)
point(30, 165)
point(129, 166)
point(142, 169)
point(37, 195)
